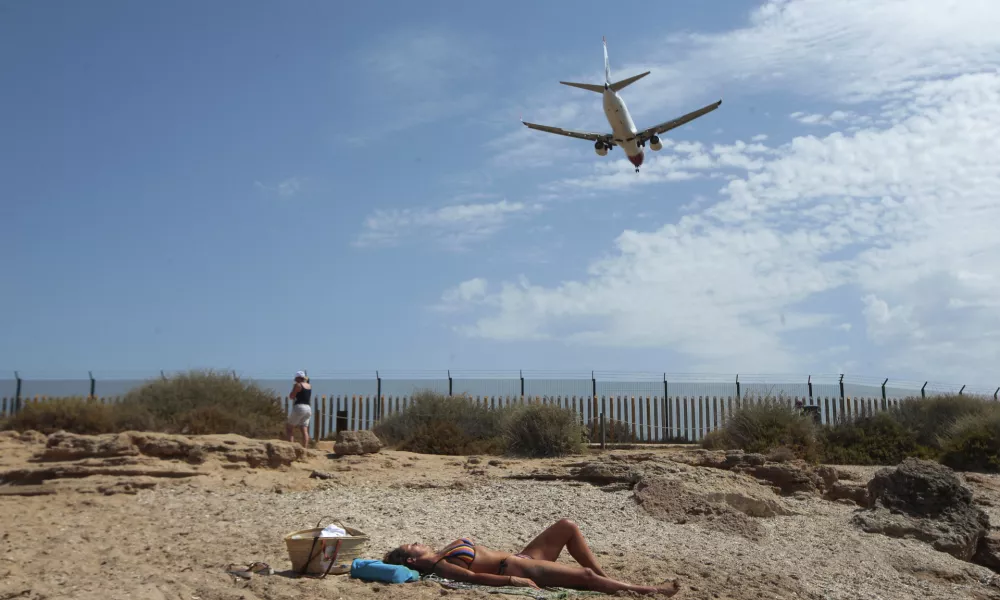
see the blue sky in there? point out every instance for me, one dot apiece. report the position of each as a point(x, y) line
point(336, 187)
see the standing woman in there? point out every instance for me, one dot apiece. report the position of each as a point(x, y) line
point(302, 412)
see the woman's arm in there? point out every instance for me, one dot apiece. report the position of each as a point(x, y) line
point(295, 390)
point(454, 572)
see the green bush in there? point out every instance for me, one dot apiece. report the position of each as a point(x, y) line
point(928, 418)
point(766, 426)
point(881, 439)
point(437, 424)
point(972, 443)
point(543, 430)
point(199, 402)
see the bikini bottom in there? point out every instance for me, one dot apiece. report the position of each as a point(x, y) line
point(503, 562)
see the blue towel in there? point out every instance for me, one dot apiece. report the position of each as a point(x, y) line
point(376, 570)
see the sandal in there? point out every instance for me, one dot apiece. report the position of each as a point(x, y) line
point(260, 568)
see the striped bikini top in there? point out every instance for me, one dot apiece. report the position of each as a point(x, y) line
point(463, 550)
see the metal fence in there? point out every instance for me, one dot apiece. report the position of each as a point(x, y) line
point(643, 407)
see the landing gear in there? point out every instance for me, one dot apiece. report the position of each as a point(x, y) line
point(637, 169)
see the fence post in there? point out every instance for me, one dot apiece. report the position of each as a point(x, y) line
point(738, 386)
point(449, 382)
point(593, 404)
point(665, 420)
point(922, 393)
point(378, 396)
point(603, 442)
point(961, 390)
point(93, 384)
point(809, 382)
point(17, 393)
point(520, 374)
point(841, 387)
point(995, 393)
point(883, 391)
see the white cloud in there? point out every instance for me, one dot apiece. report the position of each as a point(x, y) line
point(285, 189)
point(464, 294)
point(899, 209)
point(831, 120)
point(453, 226)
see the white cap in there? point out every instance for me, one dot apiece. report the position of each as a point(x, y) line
point(301, 374)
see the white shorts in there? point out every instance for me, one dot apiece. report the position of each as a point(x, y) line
point(300, 416)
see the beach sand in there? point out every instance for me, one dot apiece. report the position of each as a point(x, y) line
point(172, 538)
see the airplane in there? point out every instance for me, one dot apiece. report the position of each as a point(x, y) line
point(623, 131)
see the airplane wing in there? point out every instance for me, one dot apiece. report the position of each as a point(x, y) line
point(580, 135)
point(645, 134)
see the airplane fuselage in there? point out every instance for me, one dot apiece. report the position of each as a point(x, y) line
point(622, 126)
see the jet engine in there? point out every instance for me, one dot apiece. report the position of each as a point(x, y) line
point(601, 149)
point(654, 144)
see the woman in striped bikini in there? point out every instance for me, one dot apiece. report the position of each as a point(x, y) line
point(464, 560)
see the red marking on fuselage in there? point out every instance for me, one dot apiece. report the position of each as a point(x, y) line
point(637, 159)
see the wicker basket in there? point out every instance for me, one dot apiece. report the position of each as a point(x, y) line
point(313, 555)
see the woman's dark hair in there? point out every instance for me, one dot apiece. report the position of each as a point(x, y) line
point(396, 556)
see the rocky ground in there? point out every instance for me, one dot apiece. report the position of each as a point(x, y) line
point(156, 516)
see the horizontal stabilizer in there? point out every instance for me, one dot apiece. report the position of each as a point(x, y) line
point(585, 86)
point(624, 83)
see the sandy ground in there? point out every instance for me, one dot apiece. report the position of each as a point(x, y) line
point(174, 539)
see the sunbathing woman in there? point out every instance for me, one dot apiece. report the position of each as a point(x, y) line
point(464, 560)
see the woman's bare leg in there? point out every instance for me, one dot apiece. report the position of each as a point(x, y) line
point(563, 534)
point(551, 574)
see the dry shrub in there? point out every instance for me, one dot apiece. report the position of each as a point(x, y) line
point(543, 430)
point(615, 432)
point(972, 442)
point(434, 423)
point(716, 440)
point(781, 454)
point(929, 418)
point(880, 439)
point(763, 427)
point(78, 415)
point(198, 402)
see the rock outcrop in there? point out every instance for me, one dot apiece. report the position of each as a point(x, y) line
point(786, 478)
point(62, 446)
point(125, 463)
point(926, 501)
point(356, 442)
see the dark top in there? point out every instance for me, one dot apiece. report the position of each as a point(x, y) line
point(304, 396)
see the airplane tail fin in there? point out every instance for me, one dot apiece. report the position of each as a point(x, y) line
point(607, 65)
point(585, 86)
point(624, 83)
point(617, 86)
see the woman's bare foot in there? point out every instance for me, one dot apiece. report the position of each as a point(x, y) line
point(669, 588)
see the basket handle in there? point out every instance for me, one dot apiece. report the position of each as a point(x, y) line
point(333, 520)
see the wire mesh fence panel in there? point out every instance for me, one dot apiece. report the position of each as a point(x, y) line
point(55, 388)
point(8, 388)
point(412, 387)
point(542, 389)
point(487, 387)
